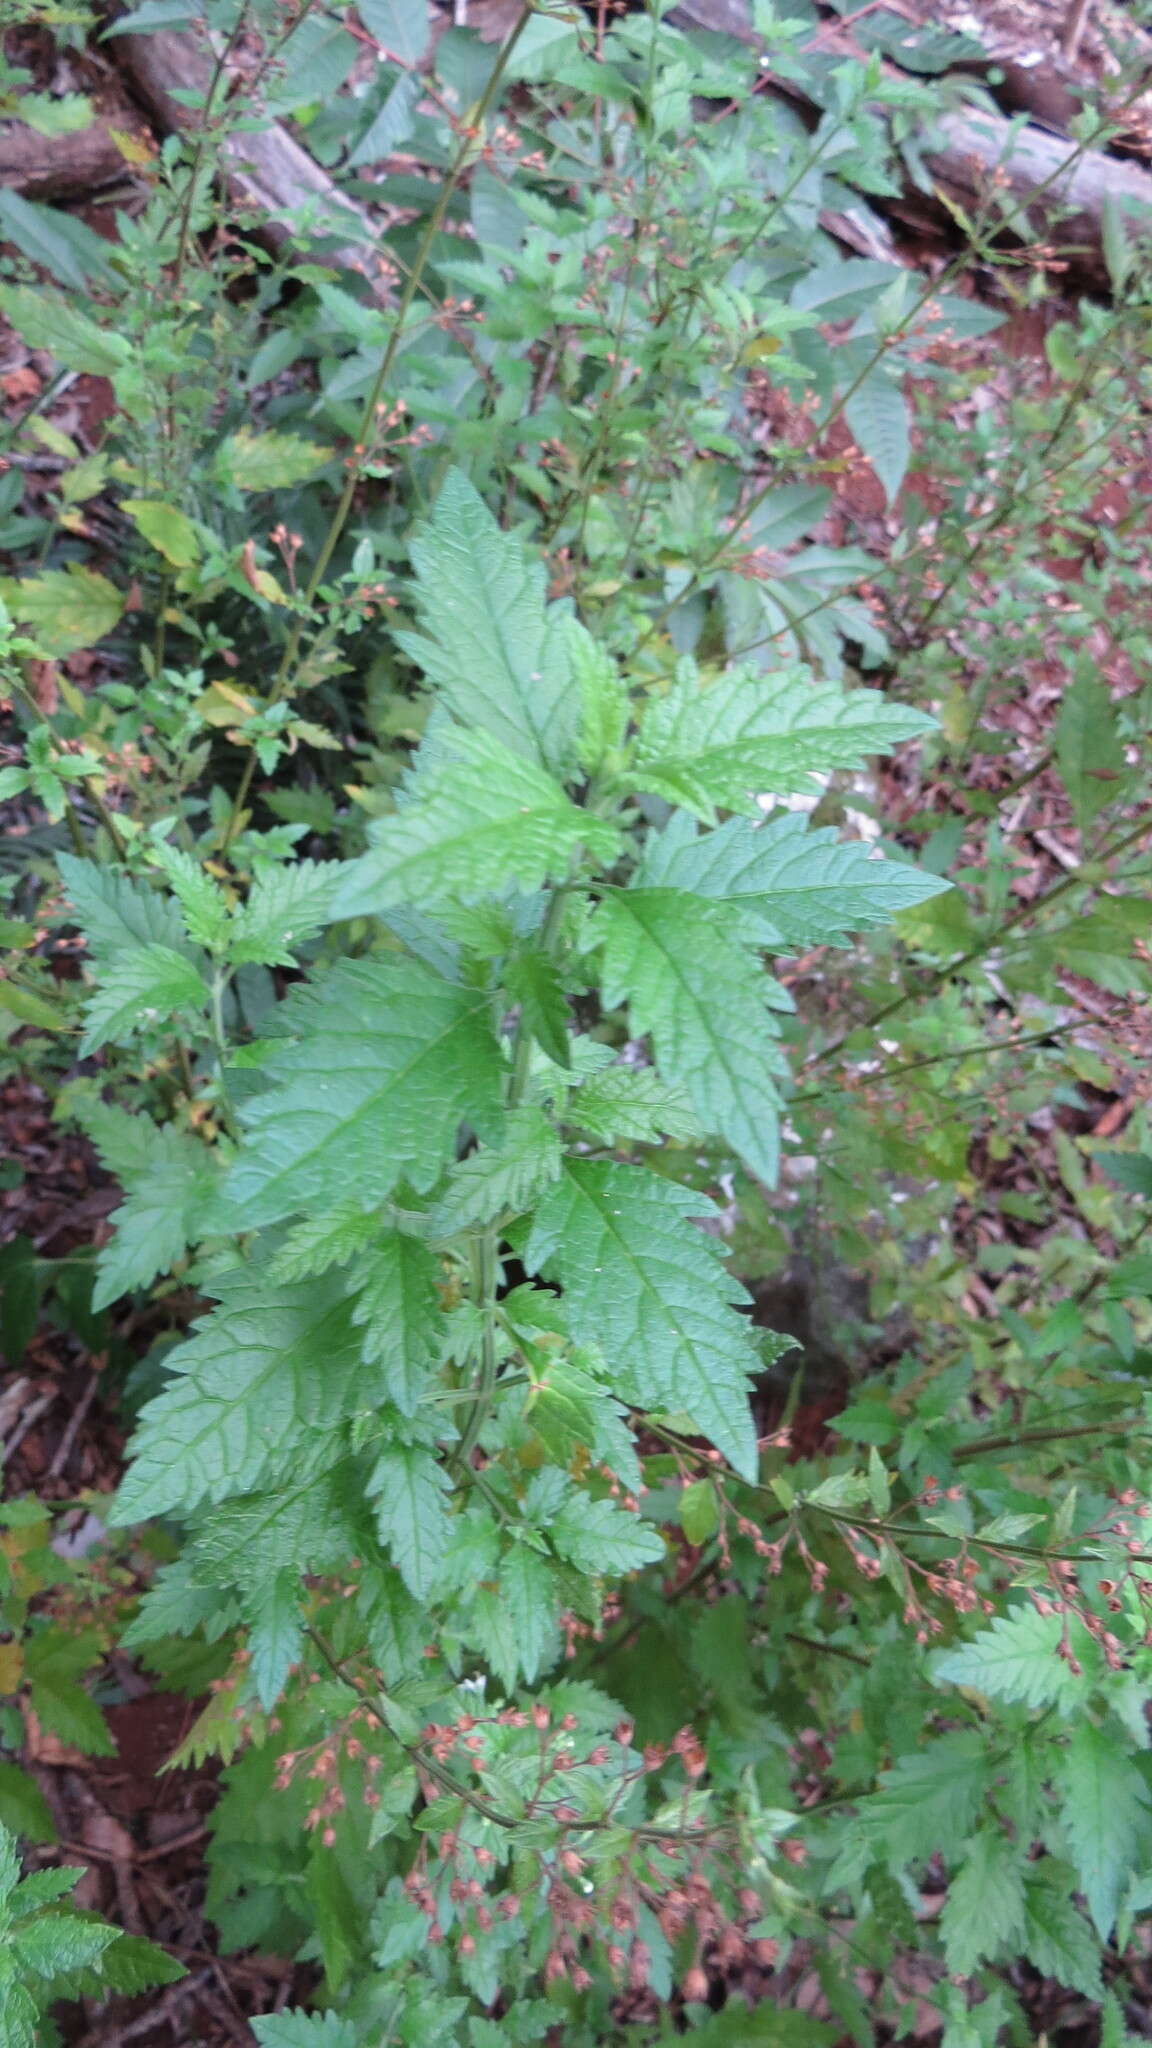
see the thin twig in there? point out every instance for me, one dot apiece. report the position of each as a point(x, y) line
point(64, 1448)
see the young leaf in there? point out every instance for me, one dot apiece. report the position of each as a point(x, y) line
point(275, 1636)
point(304, 2030)
point(647, 1288)
point(702, 999)
point(386, 1062)
point(598, 1537)
point(398, 1309)
point(146, 987)
point(498, 1178)
point(705, 744)
point(632, 1106)
point(285, 907)
point(491, 646)
point(533, 980)
point(408, 1486)
point(1016, 1659)
point(795, 887)
point(1057, 1938)
point(484, 821)
point(158, 1218)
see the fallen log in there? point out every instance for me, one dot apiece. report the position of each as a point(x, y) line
point(1045, 188)
point(63, 166)
point(287, 198)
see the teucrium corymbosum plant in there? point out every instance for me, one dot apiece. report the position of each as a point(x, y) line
point(453, 1298)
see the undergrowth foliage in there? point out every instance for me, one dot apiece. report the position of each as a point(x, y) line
point(435, 808)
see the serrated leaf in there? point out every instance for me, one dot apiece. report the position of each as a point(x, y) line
point(1015, 1659)
point(722, 744)
point(604, 699)
point(386, 1061)
point(408, 1486)
point(202, 900)
point(400, 26)
point(321, 1242)
point(398, 1309)
point(158, 1219)
point(391, 126)
point(492, 647)
point(633, 1106)
point(270, 1372)
point(148, 986)
point(878, 419)
point(701, 997)
point(57, 1942)
point(1057, 1939)
point(131, 1964)
point(929, 1800)
point(45, 320)
point(267, 462)
point(66, 609)
point(304, 2030)
point(285, 908)
point(485, 821)
point(23, 1807)
point(115, 912)
point(275, 1637)
point(598, 1537)
point(500, 1178)
point(1089, 749)
point(648, 1289)
point(984, 1912)
point(1101, 1794)
point(533, 981)
point(518, 1637)
point(794, 887)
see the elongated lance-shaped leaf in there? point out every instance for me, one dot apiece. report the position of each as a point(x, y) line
point(484, 822)
point(493, 648)
point(795, 887)
point(409, 1486)
point(386, 1062)
point(399, 1312)
point(649, 1290)
point(669, 957)
point(705, 745)
point(264, 1381)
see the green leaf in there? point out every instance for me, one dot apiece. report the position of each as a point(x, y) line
point(699, 1511)
point(667, 955)
point(276, 1636)
point(491, 646)
point(65, 609)
point(203, 902)
point(1089, 749)
point(321, 1242)
point(598, 1537)
point(131, 1964)
point(533, 980)
point(398, 1309)
point(170, 531)
point(63, 1941)
point(648, 1289)
point(877, 417)
point(1130, 1170)
point(23, 1807)
point(1102, 1794)
point(516, 1623)
point(795, 888)
point(1057, 1939)
point(746, 734)
point(44, 320)
point(929, 1800)
point(144, 988)
point(390, 127)
point(65, 1709)
point(386, 1062)
point(286, 907)
point(484, 821)
point(304, 2030)
point(269, 1374)
point(267, 462)
point(983, 1914)
point(496, 1179)
point(158, 1219)
point(45, 234)
point(632, 1106)
point(604, 700)
point(1016, 1659)
point(400, 26)
point(115, 912)
point(408, 1485)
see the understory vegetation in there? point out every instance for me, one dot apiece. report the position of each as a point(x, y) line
point(580, 829)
